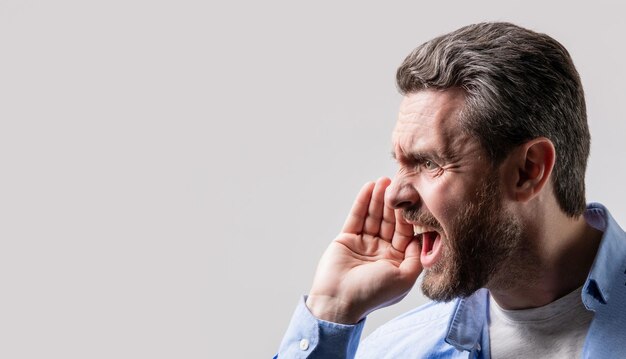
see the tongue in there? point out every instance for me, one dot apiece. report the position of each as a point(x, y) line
point(431, 249)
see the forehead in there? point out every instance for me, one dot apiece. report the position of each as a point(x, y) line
point(429, 121)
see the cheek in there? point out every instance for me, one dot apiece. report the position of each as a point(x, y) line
point(438, 199)
point(445, 200)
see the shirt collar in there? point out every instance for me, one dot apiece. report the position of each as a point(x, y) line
point(467, 322)
point(597, 287)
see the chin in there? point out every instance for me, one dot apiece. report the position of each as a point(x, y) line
point(445, 287)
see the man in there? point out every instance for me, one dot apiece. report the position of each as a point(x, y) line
point(489, 205)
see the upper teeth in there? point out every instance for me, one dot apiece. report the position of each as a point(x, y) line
point(417, 230)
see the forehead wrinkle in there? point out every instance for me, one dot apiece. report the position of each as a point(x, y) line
point(423, 124)
point(416, 109)
point(415, 119)
point(429, 125)
point(429, 114)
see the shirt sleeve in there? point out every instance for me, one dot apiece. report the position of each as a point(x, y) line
point(309, 337)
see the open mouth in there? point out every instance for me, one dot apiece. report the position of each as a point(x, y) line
point(431, 245)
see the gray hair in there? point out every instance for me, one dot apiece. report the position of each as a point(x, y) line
point(519, 85)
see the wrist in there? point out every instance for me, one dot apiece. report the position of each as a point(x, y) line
point(331, 309)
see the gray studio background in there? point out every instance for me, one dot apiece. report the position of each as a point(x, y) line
point(170, 171)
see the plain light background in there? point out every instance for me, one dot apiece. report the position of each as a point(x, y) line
point(171, 171)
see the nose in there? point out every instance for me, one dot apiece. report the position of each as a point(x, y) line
point(401, 194)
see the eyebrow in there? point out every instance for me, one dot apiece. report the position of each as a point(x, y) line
point(419, 157)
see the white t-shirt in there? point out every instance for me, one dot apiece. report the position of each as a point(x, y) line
point(556, 330)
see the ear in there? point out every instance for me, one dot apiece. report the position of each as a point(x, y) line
point(531, 166)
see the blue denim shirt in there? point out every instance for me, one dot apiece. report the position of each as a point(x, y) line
point(460, 329)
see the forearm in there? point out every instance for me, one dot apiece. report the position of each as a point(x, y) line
point(310, 337)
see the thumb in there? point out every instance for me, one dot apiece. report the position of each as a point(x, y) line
point(411, 266)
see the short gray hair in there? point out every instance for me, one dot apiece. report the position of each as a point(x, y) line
point(519, 85)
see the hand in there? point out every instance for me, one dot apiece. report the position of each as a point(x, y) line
point(372, 264)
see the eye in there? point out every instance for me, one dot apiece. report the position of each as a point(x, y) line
point(430, 165)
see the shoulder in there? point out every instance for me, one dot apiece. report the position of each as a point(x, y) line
point(426, 316)
point(420, 330)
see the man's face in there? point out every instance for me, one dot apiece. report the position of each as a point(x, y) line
point(450, 192)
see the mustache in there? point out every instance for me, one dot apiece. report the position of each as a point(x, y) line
point(421, 218)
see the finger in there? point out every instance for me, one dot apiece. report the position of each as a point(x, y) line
point(388, 225)
point(375, 210)
point(356, 217)
point(411, 266)
point(403, 232)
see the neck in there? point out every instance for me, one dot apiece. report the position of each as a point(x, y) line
point(563, 250)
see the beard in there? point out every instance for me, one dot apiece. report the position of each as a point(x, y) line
point(484, 247)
